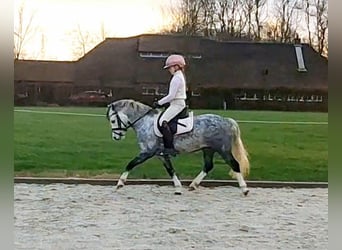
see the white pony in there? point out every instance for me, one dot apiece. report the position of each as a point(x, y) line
point(211, 134)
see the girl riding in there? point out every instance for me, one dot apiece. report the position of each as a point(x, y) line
point(176, 98)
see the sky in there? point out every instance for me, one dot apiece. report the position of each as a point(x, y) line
point(57, 21)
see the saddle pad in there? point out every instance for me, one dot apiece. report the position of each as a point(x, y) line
point(183, 125)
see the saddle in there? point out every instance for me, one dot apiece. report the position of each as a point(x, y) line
point(180, 124)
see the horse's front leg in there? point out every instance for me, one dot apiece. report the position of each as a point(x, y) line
point(136, 161)
point(171, 171)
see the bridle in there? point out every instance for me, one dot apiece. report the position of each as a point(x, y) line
point(121, 125)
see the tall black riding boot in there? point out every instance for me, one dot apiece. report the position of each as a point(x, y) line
point(168, 140)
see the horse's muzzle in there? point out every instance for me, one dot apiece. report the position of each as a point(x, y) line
point(117, 136)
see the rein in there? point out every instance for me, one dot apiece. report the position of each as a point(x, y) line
point(131, 124)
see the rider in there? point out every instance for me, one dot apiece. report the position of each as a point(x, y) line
point(176, 98)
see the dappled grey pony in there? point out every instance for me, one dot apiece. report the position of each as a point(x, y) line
point(210, 133)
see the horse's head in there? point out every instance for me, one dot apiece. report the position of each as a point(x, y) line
point(119, 122)
point(125, 113)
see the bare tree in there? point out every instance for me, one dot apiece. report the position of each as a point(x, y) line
point(190, 10)
point(185, 17)
point(259, 7)
point(230, 18)
point(321, 25)
point(248, 9)
point(176, 19)
point(271, 30)
point(308, 15)
point(316, 19)
point(24, 30)
point(222, 15)
point(286, 19)
point(83, 41)
point(208, 20)
point(241, 19)
point(253, 10)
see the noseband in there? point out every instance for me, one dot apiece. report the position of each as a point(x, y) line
point(121, 125)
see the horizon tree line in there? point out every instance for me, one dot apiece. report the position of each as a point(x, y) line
point(253, 20)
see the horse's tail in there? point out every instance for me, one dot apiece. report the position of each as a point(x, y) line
point(239, 152)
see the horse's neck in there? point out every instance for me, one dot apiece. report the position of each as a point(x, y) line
point(133, 114)
point(144, 126)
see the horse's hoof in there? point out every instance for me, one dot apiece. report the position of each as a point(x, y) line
point(178, 191)
point(193, 186)
point(119, 186)
point(245, 192)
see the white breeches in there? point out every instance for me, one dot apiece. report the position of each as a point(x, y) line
point(176, 106)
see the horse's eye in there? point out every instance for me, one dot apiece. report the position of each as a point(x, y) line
point(113, 121)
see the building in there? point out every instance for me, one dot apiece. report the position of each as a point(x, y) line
point(260, 75)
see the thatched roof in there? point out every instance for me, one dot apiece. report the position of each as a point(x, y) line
point(118, 62)
point(169, 44)
point(43, 71)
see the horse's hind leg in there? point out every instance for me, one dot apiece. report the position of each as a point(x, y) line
point(234, 164)
point(208, 155)
point(171, 171)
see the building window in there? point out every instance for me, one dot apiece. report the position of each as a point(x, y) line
point(153, 91)
point(196, 56)
point(148, 91)
point(247, 97)
point(300, 58)
point(153, 55)
point(164, 55)
point(195, 93)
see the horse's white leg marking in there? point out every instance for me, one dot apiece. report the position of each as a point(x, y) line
point(177, 184)
point(242, 183)
point(122, 180)
point(195, 183)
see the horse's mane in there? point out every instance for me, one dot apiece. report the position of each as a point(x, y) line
point(129, 103)
point(125, 104)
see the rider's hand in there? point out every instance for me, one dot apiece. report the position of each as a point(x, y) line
point(155, 105)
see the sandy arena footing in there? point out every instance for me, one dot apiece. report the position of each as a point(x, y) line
point(69, 216)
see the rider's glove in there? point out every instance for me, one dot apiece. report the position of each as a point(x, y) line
point(156, 105)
